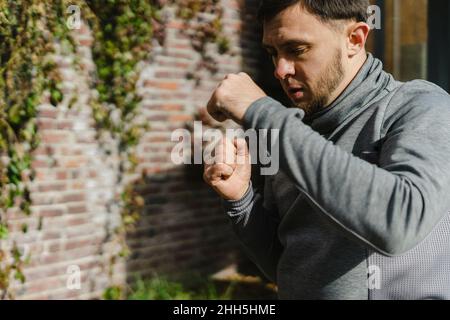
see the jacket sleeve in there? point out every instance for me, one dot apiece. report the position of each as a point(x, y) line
point(255, 221)
point(391, 207)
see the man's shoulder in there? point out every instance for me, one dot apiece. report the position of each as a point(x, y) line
point(419, 86)
point(411, 91)
point(417, 100)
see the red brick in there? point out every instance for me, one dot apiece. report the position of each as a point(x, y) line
point(48, 113)
point(158, 139)
point(181, 118)
point(76, 209)
point(176, 24)
point(47, 213)
point(65, 124)
point(161, 85)
point(48, 235)
point(73, 162)
point(173, 107)
point(54, 137)
point(40, 164)
point(44, 124)
point(73, 197)
point(61, 175)
point(85, 42)
point(158, 117)
point(77, 221)
point(78, 185)
point(52, 187)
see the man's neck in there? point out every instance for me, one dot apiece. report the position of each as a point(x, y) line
point(350, 74)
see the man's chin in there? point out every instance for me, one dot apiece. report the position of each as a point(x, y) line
point(308, 107)
point(304, 105)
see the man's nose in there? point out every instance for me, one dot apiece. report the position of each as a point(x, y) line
point(284, 68)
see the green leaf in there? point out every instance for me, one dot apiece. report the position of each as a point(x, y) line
point(20, 276)
point(56, 97)
point(24, 228)
point(112, 293)
point(3, 232)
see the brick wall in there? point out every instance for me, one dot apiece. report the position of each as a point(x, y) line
point(182, 227)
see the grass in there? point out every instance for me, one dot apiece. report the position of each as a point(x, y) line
point(193, 288)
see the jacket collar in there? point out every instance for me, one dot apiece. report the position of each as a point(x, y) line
point(369, 82)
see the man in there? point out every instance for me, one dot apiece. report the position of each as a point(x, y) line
point(360, 206)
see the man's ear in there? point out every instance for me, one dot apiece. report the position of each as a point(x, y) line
point(357, 34)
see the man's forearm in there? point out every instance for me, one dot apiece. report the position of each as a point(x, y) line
point(390, 209)
point(256, 227)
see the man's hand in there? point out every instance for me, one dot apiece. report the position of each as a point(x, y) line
point(233, 96)
point(230, 175)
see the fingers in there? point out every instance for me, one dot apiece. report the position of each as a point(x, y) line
point(244, 74)
point(241, 146)
point(225, 161)
point(242, 153)
point(232, 153)
point(213, 109)
point(217, 173)
point(225, 152)
point(218, 116)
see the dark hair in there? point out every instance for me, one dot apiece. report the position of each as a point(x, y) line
point(326, 10)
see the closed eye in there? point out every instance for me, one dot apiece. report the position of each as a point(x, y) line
point(297, 51)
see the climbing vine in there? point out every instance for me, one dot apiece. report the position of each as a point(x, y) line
point(124, 32)
point(27, 30)
point(204, 26)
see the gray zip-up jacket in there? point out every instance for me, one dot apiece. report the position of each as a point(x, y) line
point(360, 208)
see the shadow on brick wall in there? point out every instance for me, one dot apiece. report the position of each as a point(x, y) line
point(183, 229)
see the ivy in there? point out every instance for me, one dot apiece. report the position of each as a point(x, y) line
point(124, 32)
point(203, 20)
point(28, 29)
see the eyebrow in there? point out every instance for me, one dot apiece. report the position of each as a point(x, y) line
point(288, 43)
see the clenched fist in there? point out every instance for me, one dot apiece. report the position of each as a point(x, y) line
point(233, 96)
point(230, 174)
